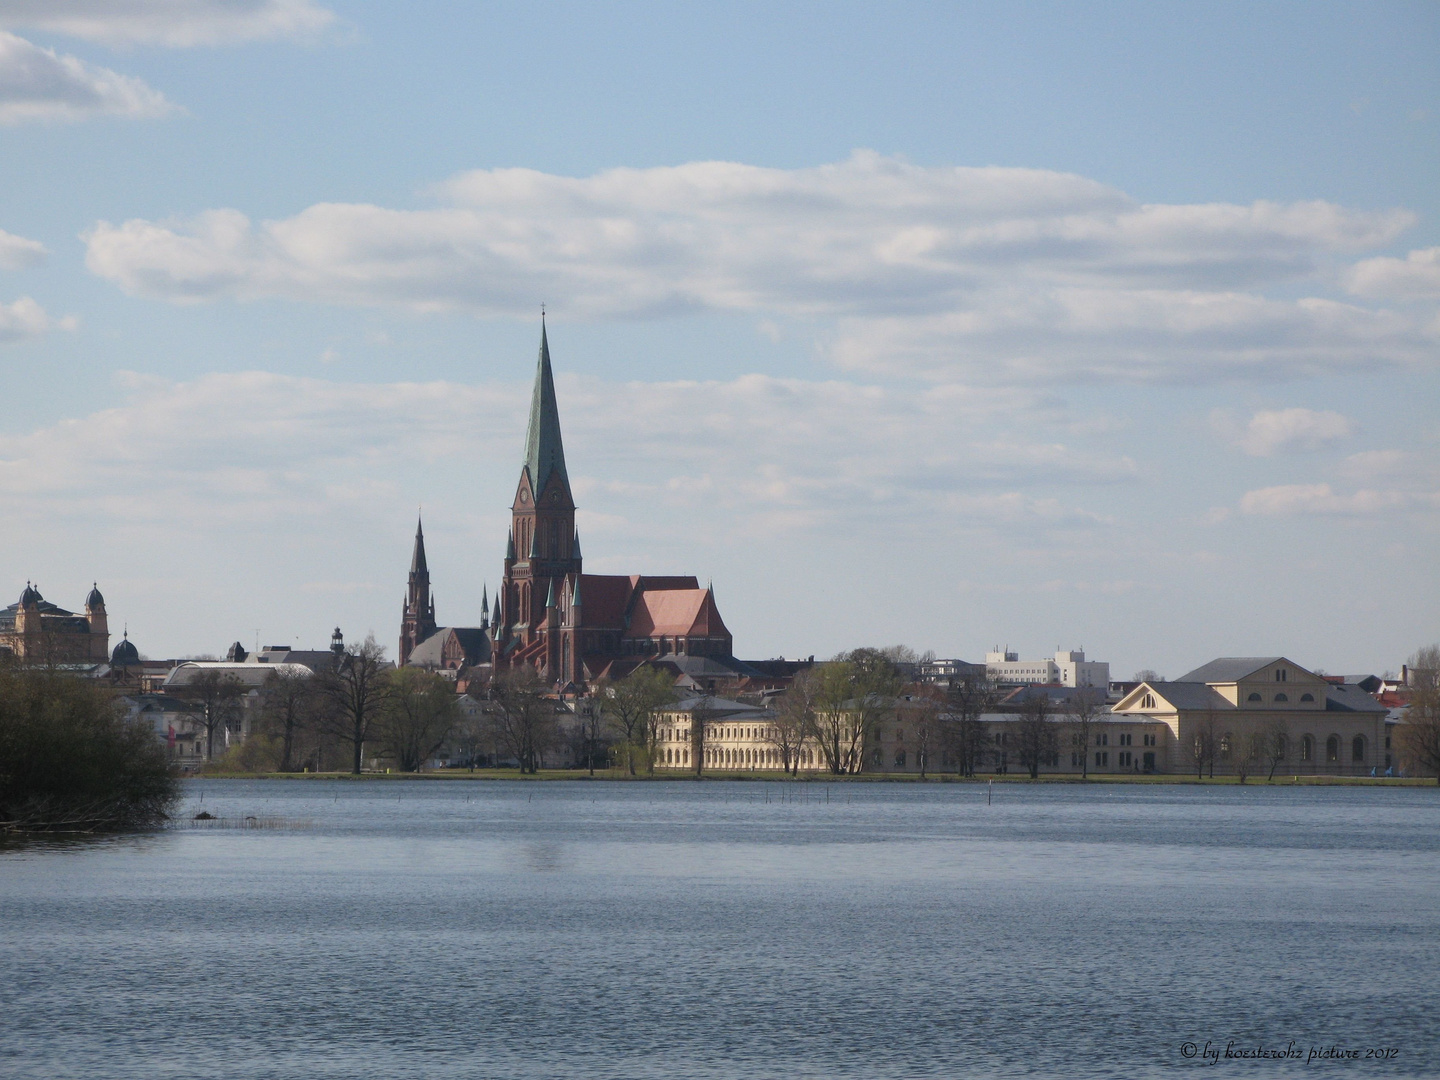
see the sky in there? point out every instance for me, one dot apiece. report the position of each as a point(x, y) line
point(1110, 326)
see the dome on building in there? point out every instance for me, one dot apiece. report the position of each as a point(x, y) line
point(94, 599)
point(125, 653)
point(31, 595)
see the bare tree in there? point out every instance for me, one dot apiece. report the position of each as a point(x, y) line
point(417, 716)
point(701, 719)
point(353, 693)
point(1035, 735)
point(524, 716)
point(793, 719)
point(1085, 711)
point(1210, 741)
point(1419, 732)
point(1246, 751)
point(853, 693)
point(632, 703)
point(288, 707)
point(920, 711)
point(835, 727)
point(1202, 746)
point(593, 725)
point(1274, 745)
point(962, 732)
point(214, 698)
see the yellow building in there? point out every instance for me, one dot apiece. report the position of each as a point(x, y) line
point(33, 628)
point(1224, 716)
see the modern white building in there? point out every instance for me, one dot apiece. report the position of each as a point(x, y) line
point(1068, 668)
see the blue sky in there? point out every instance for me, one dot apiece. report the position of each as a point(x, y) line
point(947, 324)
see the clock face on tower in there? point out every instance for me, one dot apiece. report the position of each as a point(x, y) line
point(524, 496)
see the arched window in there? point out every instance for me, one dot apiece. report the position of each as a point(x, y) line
point(1282, 746)
point(1357, 748)
point(1307, 697)
point(1332, 749)
point(1148, 702)
point(1307, 748)
point(1253, 697)
point(1282, 697)
point(1281, 675)
point(1226, 741)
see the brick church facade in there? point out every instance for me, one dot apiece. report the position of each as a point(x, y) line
point(570, 626)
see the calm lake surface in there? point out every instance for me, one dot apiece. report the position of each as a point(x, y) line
point(727, 929)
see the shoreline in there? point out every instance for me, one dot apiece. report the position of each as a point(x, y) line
point(611, 776)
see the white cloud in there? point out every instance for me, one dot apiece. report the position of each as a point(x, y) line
point(1416, 275)
point(1277, 430)
point(21, 320)
point(937, 272)
point(255, 449)
point(16, 252)
point(39, 84)
point(1293, 499)
point(176, 23)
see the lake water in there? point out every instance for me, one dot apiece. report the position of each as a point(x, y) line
point(729, 929)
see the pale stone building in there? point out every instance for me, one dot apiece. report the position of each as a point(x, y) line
point(1325, 726)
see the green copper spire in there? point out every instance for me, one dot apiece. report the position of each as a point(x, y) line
point(544, 454)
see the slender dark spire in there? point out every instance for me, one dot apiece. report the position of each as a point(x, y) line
point(575, 546)
point(417, 561)
point(544, 453)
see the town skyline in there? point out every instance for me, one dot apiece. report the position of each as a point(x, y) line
point(917, 353)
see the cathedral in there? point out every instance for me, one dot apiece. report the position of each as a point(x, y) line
point(570, 626)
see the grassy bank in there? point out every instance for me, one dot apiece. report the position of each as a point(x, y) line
point(617, 776)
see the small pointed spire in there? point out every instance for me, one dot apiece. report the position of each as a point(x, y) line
point(575, 593)
point(510, 546)
point(417, 560)
point(550, 596)
point(575, 546)
point(534, 546)
point(544, 452)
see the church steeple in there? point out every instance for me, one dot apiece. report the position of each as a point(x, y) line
point(542, 549)
point(417, 620)
point(417, 560)
point(544, 452)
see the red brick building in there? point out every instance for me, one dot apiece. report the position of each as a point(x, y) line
point(572, 626)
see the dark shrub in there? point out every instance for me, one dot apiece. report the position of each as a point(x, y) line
point(70, 762)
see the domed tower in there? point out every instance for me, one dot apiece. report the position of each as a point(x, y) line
point(125, 654)
point(27, 611)
point(99, 624)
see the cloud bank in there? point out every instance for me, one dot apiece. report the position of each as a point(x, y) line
point(253, 449)
point(175, 23)
point(1272, 431)
point(939, 273)
point(39, 84)
point(16, 252)
point(22, 320)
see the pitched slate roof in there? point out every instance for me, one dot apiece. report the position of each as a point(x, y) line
point(544, 453)
point(473, 640)
point(1228, 669)
point(1187, 694)
point(1350, 698)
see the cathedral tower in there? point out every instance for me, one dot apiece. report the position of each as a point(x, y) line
point(543, 549)
point(417, 621)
